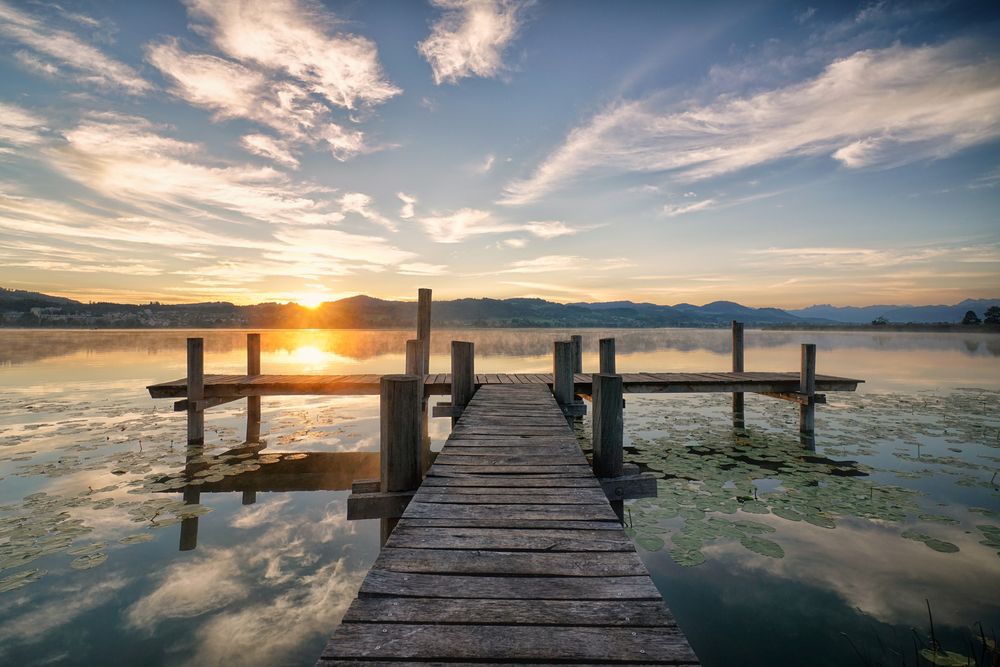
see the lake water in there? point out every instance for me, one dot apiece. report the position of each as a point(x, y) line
point(766, 552)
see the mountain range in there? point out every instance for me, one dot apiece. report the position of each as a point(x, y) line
point(22, 308)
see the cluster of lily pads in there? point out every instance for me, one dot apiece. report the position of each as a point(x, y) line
point(715, 476)
point(137, 452)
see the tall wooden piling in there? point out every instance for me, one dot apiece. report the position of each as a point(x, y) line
point(196, 391)
point(424, 327)
point(807, 387)
point(608, 424)
point(562, 372)
point(253, 402)
point(606, 354)
point(463, 376)
point(399, 437)
point(738, 406)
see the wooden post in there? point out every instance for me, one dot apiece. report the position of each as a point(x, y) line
point(608, 424)
point(577, 342)
point(195, 391)
point(253, 402)
point(738, 407)
point(414, 366)
point(424, 326)
point(807, 386)
point(399, 437)
point(562, 372)
point(463, 375)
point(249, 497)
point(607, 355)
point(414, 357)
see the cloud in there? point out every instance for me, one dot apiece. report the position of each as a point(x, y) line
point(406, 211)
point(486, 165)
point(357, 202)
point(467, 222)
point(295, 38)
point(674, 210)
point(470, 37)
point(548, 229)
point(18, 126)
point(234, 90)
point(880, 107)
point(422, 269)
point(552, 263)
point(462, 224)
point(515, 243)
point(67, 51)
point(271, 148)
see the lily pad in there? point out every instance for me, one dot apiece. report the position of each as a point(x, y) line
point(763, 546)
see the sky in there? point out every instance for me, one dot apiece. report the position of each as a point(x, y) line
point(770, 153)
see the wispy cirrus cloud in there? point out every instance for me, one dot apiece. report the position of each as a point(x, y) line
point(52, 50)
point(297, 38)
point(553, 263)
point(467, 222)
point(19, 127)
point(271, 148)
point(674, 210)
point(470, 38)
point(234, 90)
point(874, 108)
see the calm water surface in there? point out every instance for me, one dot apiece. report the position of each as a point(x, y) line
point(766, 552)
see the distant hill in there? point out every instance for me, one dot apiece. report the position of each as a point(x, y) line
point(897, 314)
point(32, 309)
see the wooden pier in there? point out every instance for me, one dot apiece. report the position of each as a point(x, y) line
point(506, 546)
point(509, 551)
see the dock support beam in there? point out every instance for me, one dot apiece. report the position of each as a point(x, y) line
point(807, 386)
point(607, 356)
point(463, 376)
point(195, 391)
point(424, 327)
point(253, 402)
point(399, 438)
point(738, 408)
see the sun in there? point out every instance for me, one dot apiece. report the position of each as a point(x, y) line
point(312, 300)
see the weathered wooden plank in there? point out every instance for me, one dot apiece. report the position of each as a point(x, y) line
point(523, 563)
point(421, 510)
point(569, 497)
point(510, 612)
point(521, 539)
point(447, 458)
point(582, 470)
point(509, 481)
point(517, 524)
point(381, 582)
point(663, 645)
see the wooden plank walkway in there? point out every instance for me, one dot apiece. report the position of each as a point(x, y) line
point(509, 552)
point(235, 386)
